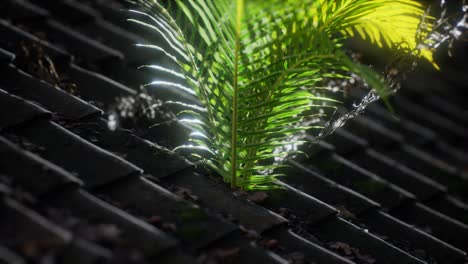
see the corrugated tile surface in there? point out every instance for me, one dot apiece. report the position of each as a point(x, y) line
point(380, 190)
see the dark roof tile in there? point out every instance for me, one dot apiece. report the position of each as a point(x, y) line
point(217, 196)
point(9, 257)
point(447, 109)
point(115, 12)
point(417, 135)
point(328, 191)
point(20, 226)
point(92, 164)
point(15, 111)
point(413, 133)
point(363, 181)
point(424, 116)
point(16, 36)
point(36, 175)
point(397, 173)
point(416, 156)
point(366, 217)
point(345, 142)
point(4, 188)
point(431, 167)
point(433, 222)
point(448, 153)
point(6, 56)
point(80, 251)
point(111, 10)
point(119, 39)
point(154, 159)
point(53, 98)
point(174, 256)
point(412, 239)
point(315, 148)
point(295, 243)
point(366, 244)
point(96, 87)
point(21, 10)
point(136, 232)
point(241, 252)
point(74, 12)
point(302, 205)
point(375, 133)
point(132, 76)
point(194, 226)
point(450, 206)
point(76, 43)
point(392, 170)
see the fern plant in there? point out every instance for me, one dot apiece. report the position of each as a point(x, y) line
point(257, 68)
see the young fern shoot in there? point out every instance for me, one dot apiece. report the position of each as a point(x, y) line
point(256, 68)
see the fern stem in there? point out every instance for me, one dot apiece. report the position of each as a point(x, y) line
point(234, 121)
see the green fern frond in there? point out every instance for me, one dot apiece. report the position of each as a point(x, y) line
point(393, 24)
point(256, 68)
point(387, 23)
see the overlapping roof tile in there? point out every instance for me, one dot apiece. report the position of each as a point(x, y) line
point(380, 190)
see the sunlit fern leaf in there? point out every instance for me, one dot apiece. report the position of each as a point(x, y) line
point(256, 68)
point(387, 23)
